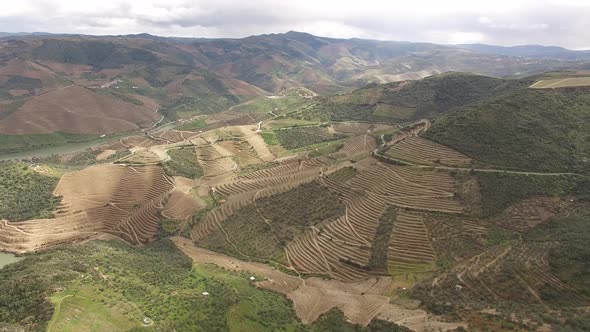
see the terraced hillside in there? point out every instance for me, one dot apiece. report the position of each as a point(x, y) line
point(381, 221)
point(121, 201)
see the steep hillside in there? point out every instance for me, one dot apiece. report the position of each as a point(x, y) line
point(412, 100)
point(528, 129)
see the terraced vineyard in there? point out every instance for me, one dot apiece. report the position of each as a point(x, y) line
point(122, 201)
point(328, 205)
point(421, 151)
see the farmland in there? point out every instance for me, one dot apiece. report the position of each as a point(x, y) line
point(349, 224)
point(561, 83)
point(294, 138)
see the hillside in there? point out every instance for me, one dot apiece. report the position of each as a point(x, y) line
point(527, 129)
point(188, 77)
point(412, 100)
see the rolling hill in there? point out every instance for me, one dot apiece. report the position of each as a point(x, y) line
point(527, 129)
point(187, 77)
point(412, 100)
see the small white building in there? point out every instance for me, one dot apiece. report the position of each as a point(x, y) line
point(252, 278)
point(205, 293)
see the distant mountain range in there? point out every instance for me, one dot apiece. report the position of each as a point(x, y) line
point(529, 51)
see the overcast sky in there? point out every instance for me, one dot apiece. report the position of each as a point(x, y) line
point(513, 22)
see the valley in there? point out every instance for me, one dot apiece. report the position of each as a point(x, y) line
point(170, 195)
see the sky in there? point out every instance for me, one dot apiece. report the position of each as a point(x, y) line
point(515, 22)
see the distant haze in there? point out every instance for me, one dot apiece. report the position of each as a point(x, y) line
point(515, 22)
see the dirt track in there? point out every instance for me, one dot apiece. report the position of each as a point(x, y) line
point(360, 301)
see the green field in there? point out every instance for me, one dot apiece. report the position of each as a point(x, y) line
point(193, 125)
point(294, 138)
point(86, 308)
point(110, 286)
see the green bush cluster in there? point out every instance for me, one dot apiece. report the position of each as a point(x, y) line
point(380, 246)
point(293, 138)
point(183, 162)
point(24, 193)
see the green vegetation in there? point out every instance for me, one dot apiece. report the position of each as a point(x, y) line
point(110, 285)
point(277, 106)
point(183, 162)
point(380, 246)
point(334, 320)
point(89, 52)
point(344, 174)
point(305, 205)
point(568, 260)
point(245, 234)
point(270, 137)
point(24, 193)
point(19, 143)
point(407, 101)
point(83, 305)
point(534, 130)
point(261, 231)
point(22, 83)
point(193, 125)
point(548, 263)
point(109, 279)
point(80, 159)
point(169, 227)
point(294, 138)
point(326, 150)
point(500, 190)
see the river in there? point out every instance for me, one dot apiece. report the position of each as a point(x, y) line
point(79, 147)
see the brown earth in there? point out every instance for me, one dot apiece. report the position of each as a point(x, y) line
point(106, 199)
point(78, 110)
point(360, 301)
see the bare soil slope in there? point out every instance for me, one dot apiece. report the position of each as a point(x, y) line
point(77, 110)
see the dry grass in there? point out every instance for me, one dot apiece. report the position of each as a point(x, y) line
point(561, 83)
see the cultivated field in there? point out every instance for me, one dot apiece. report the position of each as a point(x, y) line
point(561, 83)
point(422, 151)
point(76, 110)
point(118, 200)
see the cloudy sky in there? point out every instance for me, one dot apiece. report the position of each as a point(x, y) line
point(513, 22)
